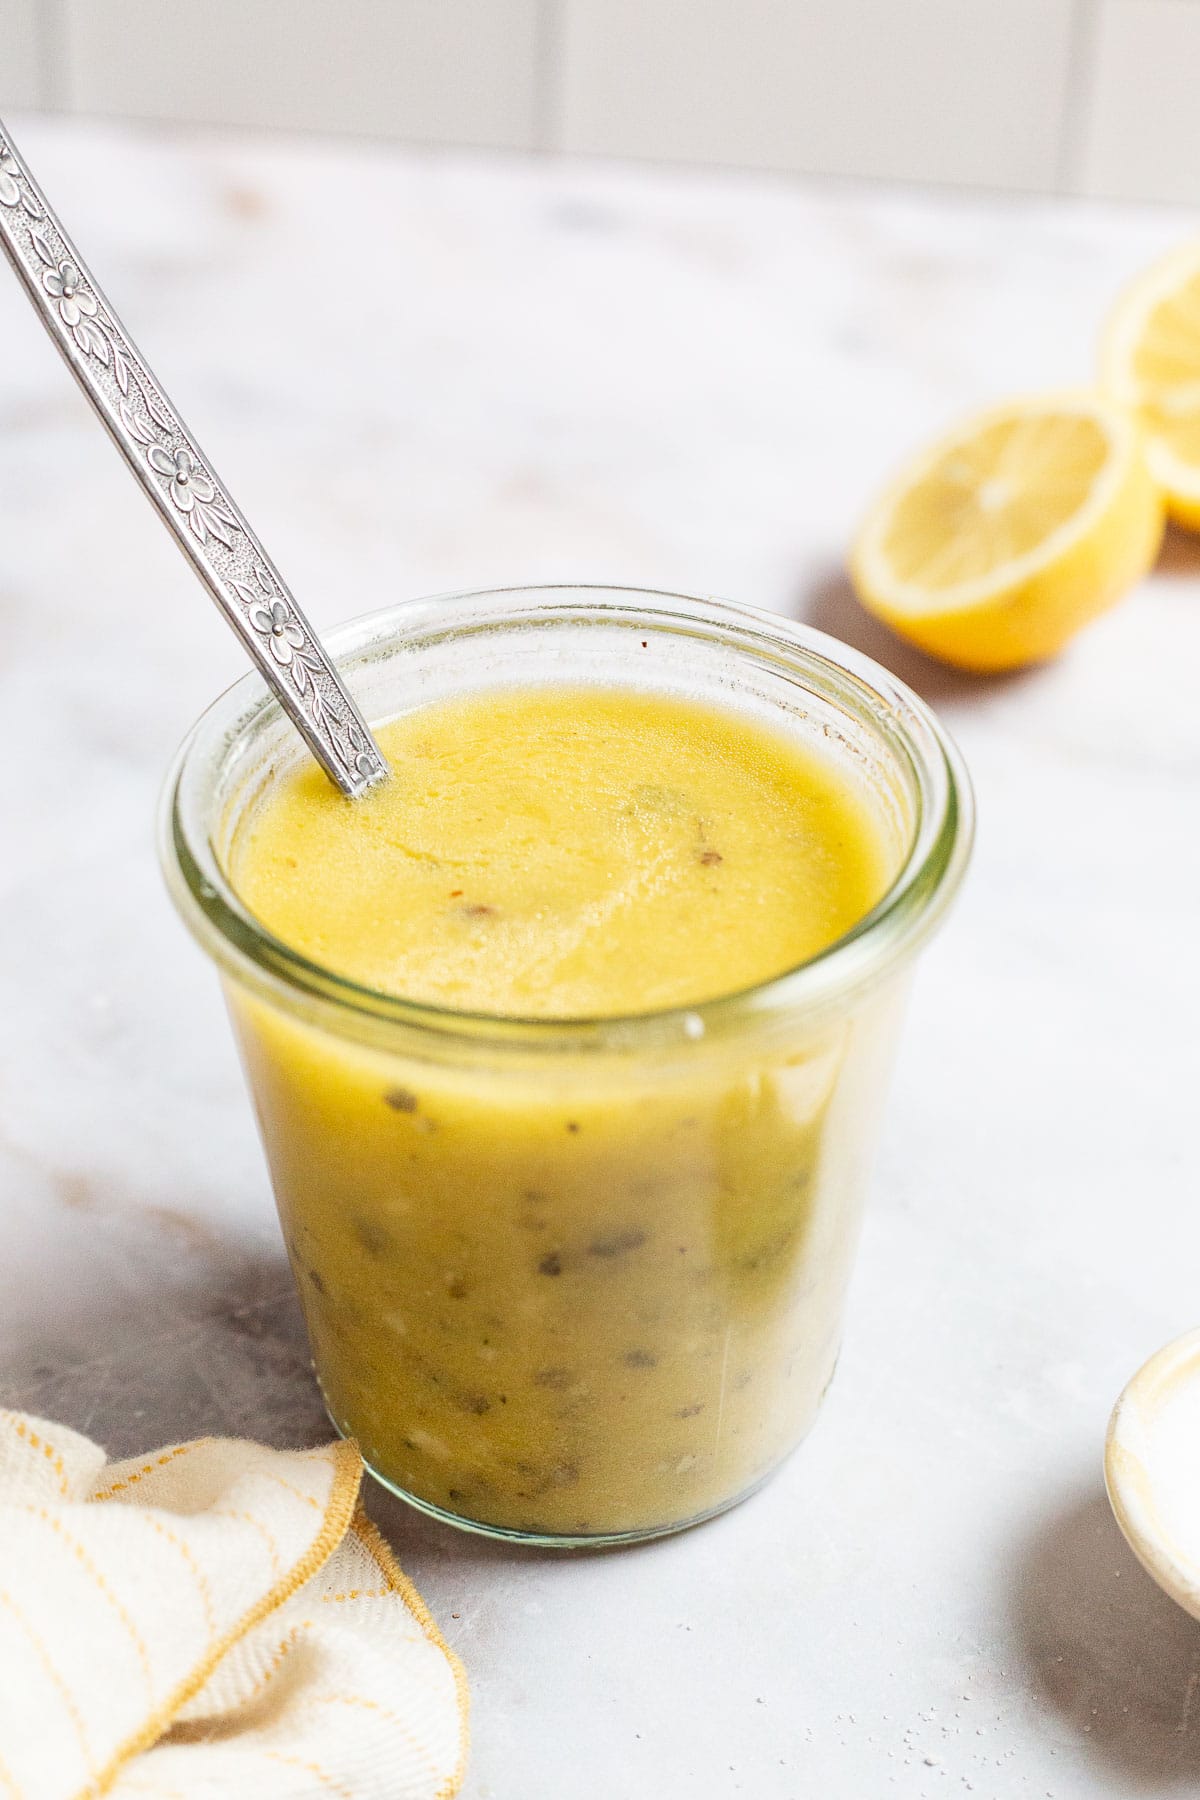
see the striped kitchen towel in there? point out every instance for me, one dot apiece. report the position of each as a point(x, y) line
point(212, 1619)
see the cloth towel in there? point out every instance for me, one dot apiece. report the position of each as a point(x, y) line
point(212, 1619)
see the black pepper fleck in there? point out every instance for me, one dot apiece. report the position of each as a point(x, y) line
point(640, 1359)
point(550, 1264)
point(372, 1236)
point(401, 1099)
point(617, 1243)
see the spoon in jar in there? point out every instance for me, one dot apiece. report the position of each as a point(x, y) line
point(181, 483)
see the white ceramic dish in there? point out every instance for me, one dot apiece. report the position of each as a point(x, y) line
point(1152, 1468)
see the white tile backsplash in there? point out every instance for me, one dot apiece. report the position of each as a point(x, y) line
point(1089, 96)
point(434, 71)
point(1140, 133)
point(20, 55)
point(940, 90)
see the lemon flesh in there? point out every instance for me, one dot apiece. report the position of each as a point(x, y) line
point(995, 546)
point(1150, 363)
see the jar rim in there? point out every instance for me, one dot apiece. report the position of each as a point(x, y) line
point(887, 935)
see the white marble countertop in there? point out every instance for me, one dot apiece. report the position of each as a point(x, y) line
point(423, 372)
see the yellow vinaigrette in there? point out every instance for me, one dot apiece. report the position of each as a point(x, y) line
point(589, 1295)
point(566, 853)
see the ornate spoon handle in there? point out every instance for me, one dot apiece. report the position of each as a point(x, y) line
point(181, 482)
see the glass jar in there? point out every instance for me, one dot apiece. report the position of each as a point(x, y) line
point(576, 1281)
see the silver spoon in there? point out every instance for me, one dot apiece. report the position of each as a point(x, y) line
point(181, 482)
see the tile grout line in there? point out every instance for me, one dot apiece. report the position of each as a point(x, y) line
point(1080, 89)
point(547, 76)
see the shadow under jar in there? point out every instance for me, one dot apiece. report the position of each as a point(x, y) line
point(576, 1281)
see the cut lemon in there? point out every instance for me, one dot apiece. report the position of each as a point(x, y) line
point(1150, 362)
point(1000, 542)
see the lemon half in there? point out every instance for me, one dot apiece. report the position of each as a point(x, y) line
point(1150, 362)
point(996, 545)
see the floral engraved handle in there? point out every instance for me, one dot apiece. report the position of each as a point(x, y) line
point(181, 482)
